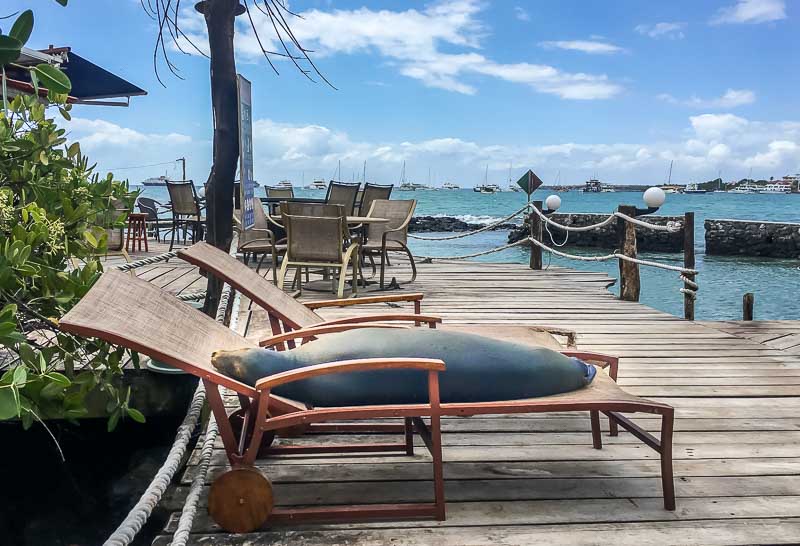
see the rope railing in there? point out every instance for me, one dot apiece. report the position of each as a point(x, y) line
point(141, 511)
point(473, 232)
point(181, 535)
point(669, 226)
point(146, 261)
point(475, 255)
point(616, 255)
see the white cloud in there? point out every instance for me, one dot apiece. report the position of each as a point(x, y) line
point(521, 13)
point(438, 45)
point(709, 143)
point(114, 147)
point(730, 99)
point(97, 133)
point(750, 11)
point(585, 46)
point(778, 152)
point(672, 30)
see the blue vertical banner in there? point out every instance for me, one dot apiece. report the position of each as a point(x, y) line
point(246, 182)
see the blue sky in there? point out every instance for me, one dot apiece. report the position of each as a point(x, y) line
point(615, 89)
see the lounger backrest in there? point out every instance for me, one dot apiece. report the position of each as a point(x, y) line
point(133, 313)
point(251, 284)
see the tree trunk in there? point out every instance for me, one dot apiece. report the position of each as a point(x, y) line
point(220, 16)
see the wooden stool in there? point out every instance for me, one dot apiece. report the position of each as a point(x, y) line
point(137, 232)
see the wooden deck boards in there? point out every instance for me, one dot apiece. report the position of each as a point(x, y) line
point(536, 479)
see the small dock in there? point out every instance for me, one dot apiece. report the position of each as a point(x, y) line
point(536, 479)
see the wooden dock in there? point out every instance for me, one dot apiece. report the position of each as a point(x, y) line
point(536, 479)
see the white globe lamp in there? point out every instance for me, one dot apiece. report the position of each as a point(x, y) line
point(654, 197)
point(553, 202)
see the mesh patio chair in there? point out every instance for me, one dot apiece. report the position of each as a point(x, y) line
point(152, 209)
point(186, 211)
point(259, 239)
point(319, 241)
point(371, 193)
point(391, 236)
point(276, 191)
point(343, 193)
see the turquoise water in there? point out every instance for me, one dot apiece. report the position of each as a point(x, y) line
point(723, 280)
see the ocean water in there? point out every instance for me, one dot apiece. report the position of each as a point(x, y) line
point(722, 280)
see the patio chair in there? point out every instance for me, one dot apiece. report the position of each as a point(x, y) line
point(279, 191)
point(135, 314)
point(389, 237)
point(259, 239)
point(371, 193)
point(286, 314)
point(153, 210)
point(343, 193)
point(186, 211)
point(319, 241)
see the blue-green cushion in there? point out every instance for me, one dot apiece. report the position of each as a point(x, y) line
point(479, 369)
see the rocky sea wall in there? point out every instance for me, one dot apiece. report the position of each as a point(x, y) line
point(752, 238)
point(606, 236)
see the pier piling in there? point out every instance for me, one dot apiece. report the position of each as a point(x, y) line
point(629, 282)
point(688, 263)
point(748, 302)
point(535, 223)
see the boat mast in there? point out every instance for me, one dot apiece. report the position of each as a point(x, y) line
point(183, 161)
point(669, 176)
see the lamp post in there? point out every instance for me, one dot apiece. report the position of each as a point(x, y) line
point(553, 203)
point(653, 197)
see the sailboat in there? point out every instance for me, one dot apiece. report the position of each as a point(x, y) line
point(485, 187)
point(668, 187)
point(405, 185)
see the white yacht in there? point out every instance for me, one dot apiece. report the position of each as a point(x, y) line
point(747, 187)
point(406, 186)
point(778, 187)
point(285, 185)
point(317, 185)
point(693, 188)
point(157, 181)
point(450, 186)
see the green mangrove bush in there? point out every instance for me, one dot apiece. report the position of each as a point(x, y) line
point(55, 216)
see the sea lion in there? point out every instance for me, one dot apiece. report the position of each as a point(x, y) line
point(479, 369)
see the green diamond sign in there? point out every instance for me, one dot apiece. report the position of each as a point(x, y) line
point(529, 182)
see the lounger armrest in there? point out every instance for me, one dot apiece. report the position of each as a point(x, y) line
point(346, 302)
point(349, 366)
point(314, 331)
point(605, 361)
point(428, 319)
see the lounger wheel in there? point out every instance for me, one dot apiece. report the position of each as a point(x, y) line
point(241, 500)
point(237, 419)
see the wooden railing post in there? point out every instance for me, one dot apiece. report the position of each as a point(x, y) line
point(688, 263)
point(629, 283)
point(748, 301)
point(535, 223)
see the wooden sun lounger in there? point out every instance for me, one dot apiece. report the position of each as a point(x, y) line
point(133, 313)
point(286, 314)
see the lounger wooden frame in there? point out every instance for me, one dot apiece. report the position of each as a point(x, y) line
point(133, 313)
point(286, 314)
